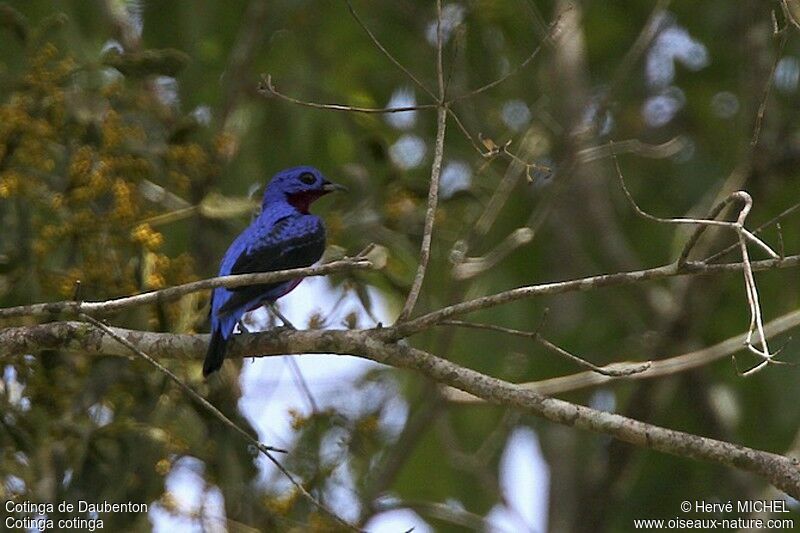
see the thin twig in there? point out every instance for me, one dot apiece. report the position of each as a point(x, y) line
point(267, 89)
point(552, 31)
point(186, 388)
point(751, 290)
point(774, 220)
point(762, 107)
point(493, 150)
point(436, 171)
point(736, 226)
point(428, 320)
point(386, 52)
point(700, 229)
point(628, 370)
point(466, 132)
point(439, 47)
point(264, 449)
point(430, 216)
point(659, 368)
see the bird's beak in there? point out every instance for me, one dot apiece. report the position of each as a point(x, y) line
point(331, 187)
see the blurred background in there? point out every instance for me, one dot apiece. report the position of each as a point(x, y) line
point(134, 141)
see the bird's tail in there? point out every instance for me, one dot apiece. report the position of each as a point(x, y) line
point(216, 352)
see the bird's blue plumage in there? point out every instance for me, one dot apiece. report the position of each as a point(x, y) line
point(284, 235)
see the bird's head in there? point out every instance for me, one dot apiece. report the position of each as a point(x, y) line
point(299, 186)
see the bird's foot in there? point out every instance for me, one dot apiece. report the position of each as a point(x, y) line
point(286, 323)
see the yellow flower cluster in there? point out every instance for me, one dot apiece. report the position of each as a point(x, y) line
point(187, 162)
point(115, 131)
point(76, 158)
point(48, 69)
point(145, 235)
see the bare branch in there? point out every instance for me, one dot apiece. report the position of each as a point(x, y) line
point(778, 470)
point(173, 293)
point(700, 229)
point(774, 220)
point(751, 291)
point(658, 368)
point(737, 226)
point(439, 49)
point(469, 267)
point(552, 32)
point(436, 171)
point(762, 107)
point(430, 216)
point(581, 285)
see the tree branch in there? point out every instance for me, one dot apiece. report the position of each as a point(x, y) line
point(580, 285)
point(386, 52)
point(430, 216)
point(658, 368)
point(436, 171)
point(552, 32)
point(781, 471)
point(74, 307)
point(774, 220)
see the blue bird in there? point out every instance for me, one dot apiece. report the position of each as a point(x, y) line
point(284, 235)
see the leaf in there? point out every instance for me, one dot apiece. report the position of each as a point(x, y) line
point(164, 62)
point(333, 252)
point(489, 143)
point(378, 255)
point(216, 205)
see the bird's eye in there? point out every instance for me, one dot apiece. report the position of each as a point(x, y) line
point(308, 178)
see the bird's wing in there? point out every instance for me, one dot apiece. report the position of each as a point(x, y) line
point(292, 242)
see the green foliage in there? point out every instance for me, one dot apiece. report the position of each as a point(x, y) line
point(126, 161)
